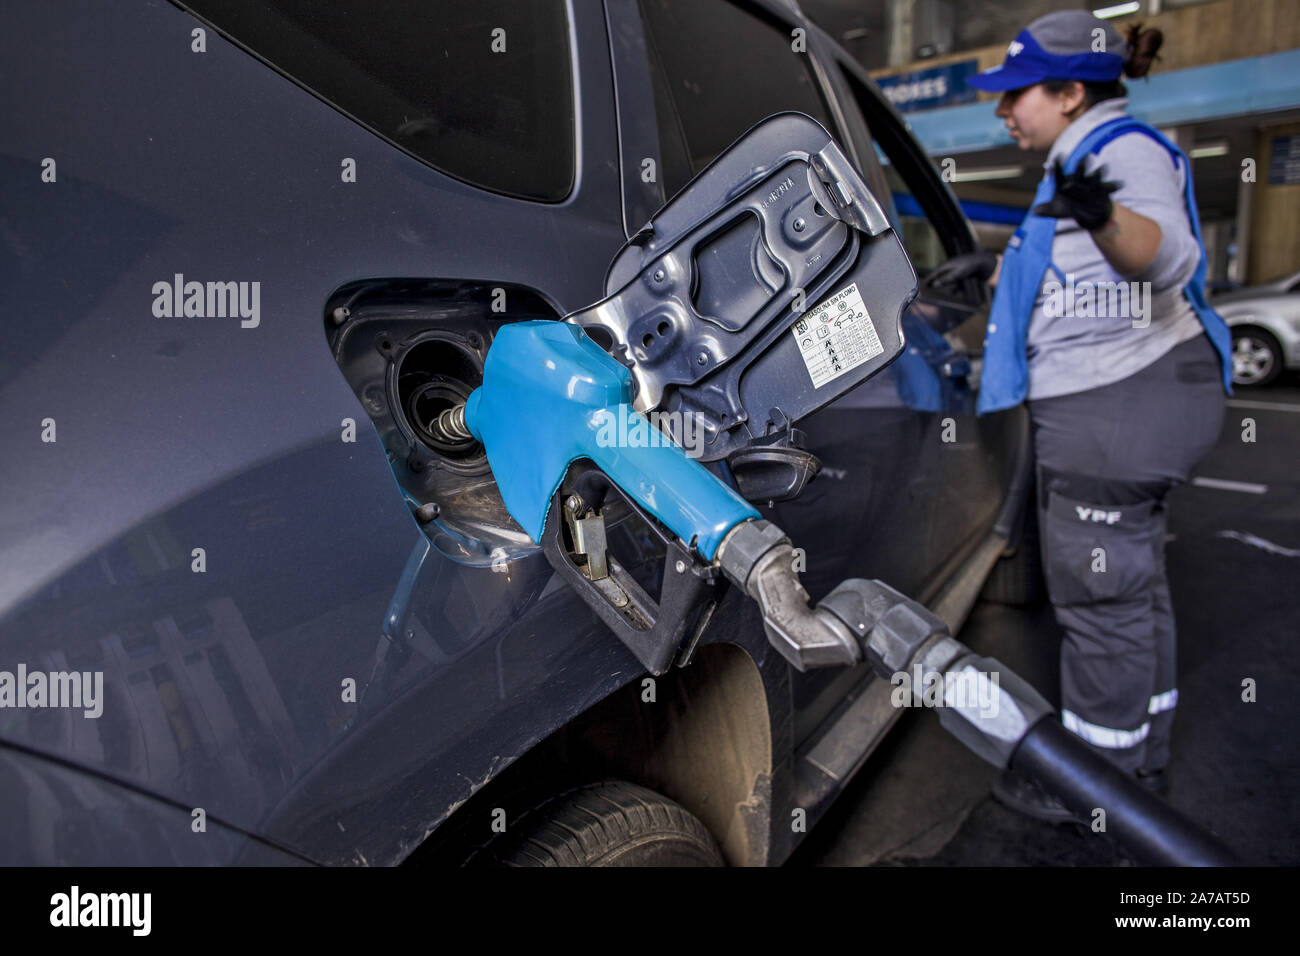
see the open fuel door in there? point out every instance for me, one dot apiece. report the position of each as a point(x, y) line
point(767, 287)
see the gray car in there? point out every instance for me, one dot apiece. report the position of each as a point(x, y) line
point(1265, 323)
point(251, 610)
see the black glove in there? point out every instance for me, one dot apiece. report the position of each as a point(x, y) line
point(1083, 197)
point(979, 265)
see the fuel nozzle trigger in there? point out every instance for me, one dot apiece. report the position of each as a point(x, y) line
point(576, 543)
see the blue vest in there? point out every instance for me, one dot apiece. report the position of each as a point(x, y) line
point(1004, 381)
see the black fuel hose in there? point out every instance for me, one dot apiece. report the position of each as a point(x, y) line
point(1138, 820)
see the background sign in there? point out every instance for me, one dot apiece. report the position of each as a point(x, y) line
point(1284, 163)
point(926, 89)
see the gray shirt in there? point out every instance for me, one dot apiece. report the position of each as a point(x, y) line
point(1095, 327)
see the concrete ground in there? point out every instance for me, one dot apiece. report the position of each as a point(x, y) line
point(1234, 569)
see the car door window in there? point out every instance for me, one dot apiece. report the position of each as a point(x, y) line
point(718, 69)
point(481, 91)
point(920, 237)
point(927, 213)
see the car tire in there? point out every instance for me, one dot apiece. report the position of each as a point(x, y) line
point(1017, 579)
point(1256, 356)
point(610, 823)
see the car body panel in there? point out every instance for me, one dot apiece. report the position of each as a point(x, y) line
point(226, 687)
point(231, 172)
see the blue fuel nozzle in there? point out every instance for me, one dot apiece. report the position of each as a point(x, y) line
point(551, 396)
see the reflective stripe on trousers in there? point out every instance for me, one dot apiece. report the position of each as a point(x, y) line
point(1111, 738)
point(1166, 701)
point(1107, 737)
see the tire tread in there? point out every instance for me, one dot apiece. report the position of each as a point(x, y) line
point(585, 825)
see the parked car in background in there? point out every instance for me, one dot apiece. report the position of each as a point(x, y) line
point(250, 249)
point(1265, 323)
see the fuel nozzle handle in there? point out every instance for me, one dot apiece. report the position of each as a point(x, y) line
point(551, 396)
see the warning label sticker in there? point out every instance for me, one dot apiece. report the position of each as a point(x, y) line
point(836, 336)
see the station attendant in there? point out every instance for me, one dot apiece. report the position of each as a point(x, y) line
point(1100, 321)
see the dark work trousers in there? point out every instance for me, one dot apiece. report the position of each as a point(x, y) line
point(1107, 458)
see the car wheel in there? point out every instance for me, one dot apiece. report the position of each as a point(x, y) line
point(1256, 357)
point(611, 823)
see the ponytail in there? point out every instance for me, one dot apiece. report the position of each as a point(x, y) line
point(1143, 47)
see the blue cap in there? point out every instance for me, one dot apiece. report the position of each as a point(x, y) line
point(1067, 45)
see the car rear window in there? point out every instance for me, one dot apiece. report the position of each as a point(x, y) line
point(717, 71)
point(425, 76)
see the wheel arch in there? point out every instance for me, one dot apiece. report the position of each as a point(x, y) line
point(700, 735)
point(1255, 319)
